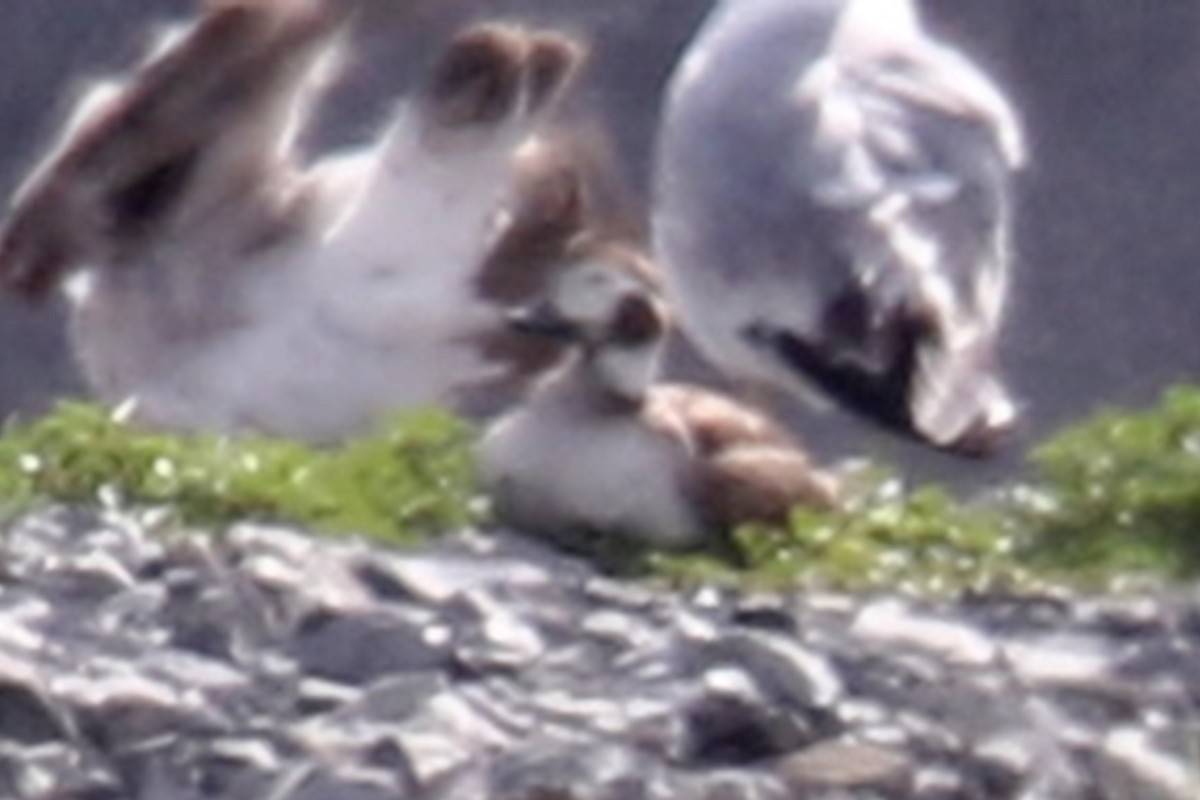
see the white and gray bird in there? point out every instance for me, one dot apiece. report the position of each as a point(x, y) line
point(833, 209)
point(224, 282)
point(603, 455)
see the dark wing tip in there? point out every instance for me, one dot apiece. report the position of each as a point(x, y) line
point(880, 396)
point(554, 59)
point(477, 80)
point(492, 70)
point(974, 420)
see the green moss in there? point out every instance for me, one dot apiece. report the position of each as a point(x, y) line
point(1115, 496)
point(411, 479)
point(1115, 500)
point(1121, 493)
point(923, 542)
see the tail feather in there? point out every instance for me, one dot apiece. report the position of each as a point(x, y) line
point(229, 92)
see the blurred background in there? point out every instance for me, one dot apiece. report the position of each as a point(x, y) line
point(1106, 305)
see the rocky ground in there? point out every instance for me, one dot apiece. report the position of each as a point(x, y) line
point(138, 663)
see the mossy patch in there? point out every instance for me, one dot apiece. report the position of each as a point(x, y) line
point(409, 480)
point(1113, 499)
point(1120, 493)
point(920, 542)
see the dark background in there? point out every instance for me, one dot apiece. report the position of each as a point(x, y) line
point(1106, 300)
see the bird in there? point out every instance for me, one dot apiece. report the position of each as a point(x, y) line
point(832, 206)
point(604, 456)
point(222, 280)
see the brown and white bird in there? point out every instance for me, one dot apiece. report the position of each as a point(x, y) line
point(601, 452)
point(832, 206)
point(225, 283)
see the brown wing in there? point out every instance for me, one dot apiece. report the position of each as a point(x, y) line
point(549, 214)
point(715, 422)
point(567, 194)
point(761, 483)
point(208, 110)
point(490, 68)
point(745, 467)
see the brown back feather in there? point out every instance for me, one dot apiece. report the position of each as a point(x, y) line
point(746, 468)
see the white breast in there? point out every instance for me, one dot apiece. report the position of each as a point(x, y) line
point(560, 476)
point(370, 309)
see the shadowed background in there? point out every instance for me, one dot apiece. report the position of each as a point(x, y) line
point(1105, 306)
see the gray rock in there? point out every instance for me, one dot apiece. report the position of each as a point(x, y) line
point(343, 783)
point(360, 646)
point(266, 664)
point(29, 714)
point(848, 766)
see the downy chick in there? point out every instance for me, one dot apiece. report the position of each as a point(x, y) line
point(601, 452)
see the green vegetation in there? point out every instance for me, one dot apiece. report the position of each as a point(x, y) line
point(921, 542)
point(1111, 500)
point(410, 480)
point(1122, 493)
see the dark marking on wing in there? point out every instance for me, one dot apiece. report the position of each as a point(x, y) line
point(148, 198)
point(478, 80)
point(879, 395)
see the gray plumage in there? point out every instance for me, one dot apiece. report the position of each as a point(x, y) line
point(832, 205)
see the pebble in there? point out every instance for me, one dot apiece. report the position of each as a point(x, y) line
point(265, 663)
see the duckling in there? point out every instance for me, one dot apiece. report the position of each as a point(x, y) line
point(602, 453)
point(833, 210)
point(225, 283)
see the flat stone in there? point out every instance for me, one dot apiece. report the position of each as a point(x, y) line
point(1131, 766)
point(29, 714)
point(118, 705)
point(787, 671)
point(348, 783)
point(54, 770)
point(237, 767)
point(847, 765)
point(892, 621)
point(361, 646)
point(500, 636)
point(742, 727)
point(283, 667)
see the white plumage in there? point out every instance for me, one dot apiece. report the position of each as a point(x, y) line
point(605, 454)
point(225, 284)
point(832, 206)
